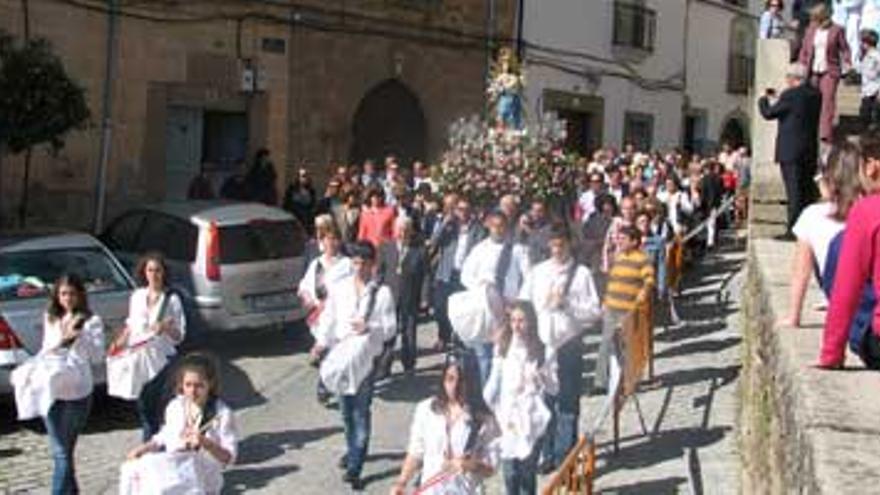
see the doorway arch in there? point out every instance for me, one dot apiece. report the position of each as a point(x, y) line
point(734, 133)
point(388, 120)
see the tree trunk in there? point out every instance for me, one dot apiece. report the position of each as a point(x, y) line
point(26, 19)
point(22, 207)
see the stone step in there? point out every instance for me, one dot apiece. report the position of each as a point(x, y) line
point(848, 100)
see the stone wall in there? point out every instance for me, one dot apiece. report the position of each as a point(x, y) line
point(333, 53)
point(802, 430)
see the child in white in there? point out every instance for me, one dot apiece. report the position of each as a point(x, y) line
point(198, 440)
point(520, 378)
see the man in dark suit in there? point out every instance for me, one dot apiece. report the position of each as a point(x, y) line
point(402, 266)
point(797, 139)
point(453, 238)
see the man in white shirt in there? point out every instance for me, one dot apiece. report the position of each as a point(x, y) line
point(870, 70)
point(497, 266)
point(566, 303)
point(357, 306)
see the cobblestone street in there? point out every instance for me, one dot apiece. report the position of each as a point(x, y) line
point(290, 444)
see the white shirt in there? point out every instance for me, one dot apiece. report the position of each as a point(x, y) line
point(331, 274)
point(515, 391)
point(870, 70)
point(820, 51)
point(816, 227)
point(344, 304)
point(221, 430)
point(461, 247)
point(86, 350)
point(141, 317)
point(479, 267)
point(582, 305)
point(587, 203)
point(433, 440)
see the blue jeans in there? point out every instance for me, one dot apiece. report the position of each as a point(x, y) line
point(355, 411)
point(521, 475)
point(482, 354)
point(561, 434)
point(65, 421)
point(152, 401)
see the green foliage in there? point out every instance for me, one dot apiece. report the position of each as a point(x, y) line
point(39, 102)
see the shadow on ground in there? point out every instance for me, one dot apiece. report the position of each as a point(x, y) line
point(261, 447)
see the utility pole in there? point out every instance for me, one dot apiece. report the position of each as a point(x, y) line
point(490, 37)
point(520, 23)
point(106, 114)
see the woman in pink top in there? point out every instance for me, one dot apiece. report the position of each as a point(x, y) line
point(377, 220)
point(859, 262)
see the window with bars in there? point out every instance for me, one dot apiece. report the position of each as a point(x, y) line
point(635, 26)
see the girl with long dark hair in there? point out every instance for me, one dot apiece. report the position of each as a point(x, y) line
point(453, 437)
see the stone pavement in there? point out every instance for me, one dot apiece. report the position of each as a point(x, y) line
point(290, 444)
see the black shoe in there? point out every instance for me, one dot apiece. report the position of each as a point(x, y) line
point(342, 463)
point(546, 468)
point(354, 480)
point(787, 237)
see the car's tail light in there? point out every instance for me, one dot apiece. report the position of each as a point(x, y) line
point(8, 340)
point(212, 255)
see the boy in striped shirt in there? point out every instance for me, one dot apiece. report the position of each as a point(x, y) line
point(630, 282)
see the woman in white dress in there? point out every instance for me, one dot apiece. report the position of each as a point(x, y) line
point(453, 438)
point(197, 441)
point(57, 384)
point(155, 326)
point(521, 377)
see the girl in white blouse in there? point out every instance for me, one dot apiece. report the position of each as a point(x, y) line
point(61, 375)
point(197, 441)
point(329, 268)
point(156, 321)
point(521, 377)
point(453, 438)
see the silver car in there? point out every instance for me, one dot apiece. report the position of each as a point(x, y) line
point(236, 265)
point(29, 264)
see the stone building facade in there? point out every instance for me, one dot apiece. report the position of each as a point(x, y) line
point(204, 84)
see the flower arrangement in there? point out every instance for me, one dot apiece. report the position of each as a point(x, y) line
point(486, 161)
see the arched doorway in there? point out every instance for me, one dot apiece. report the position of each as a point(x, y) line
point(388, 120)
point(734, 133)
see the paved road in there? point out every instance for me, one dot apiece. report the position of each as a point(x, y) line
point(290, 444)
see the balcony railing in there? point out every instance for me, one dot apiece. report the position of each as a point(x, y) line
point(635, 26)
point(740, 72)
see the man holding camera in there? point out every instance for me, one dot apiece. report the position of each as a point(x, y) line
point(797, 141)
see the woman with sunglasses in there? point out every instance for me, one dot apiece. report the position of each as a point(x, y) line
point(772, 23)
point(453, 437)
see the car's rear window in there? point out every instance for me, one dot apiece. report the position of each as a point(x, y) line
point(30, 274)
point(260, 241)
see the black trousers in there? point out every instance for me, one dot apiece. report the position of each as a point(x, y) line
point(800, 188)
point(869, 112)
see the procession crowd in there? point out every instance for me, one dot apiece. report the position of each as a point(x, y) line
point(513, 288)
